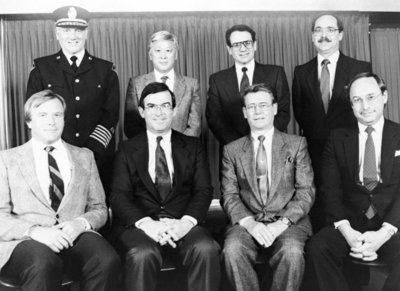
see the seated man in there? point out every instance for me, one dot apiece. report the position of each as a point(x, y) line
point(51, 201)
point(267, 191)
point(360, 192)
point(160, 195)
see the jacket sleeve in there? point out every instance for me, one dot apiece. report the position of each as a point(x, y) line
point(282, 118)
point(35, 83)
point(194, 121)
point(133, 122)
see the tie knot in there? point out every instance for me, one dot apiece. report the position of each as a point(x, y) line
point(325, 62)
point(244, 70)
point(159, 138)
point(49, 149)
point(164, 79)
point(261, 138)
point(369, 130)
point(73, 59)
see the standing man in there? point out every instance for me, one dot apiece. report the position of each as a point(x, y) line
point(163, 51)
point(89, 85)
point(51, 204)
point(267, 191)
point(224, 105)
point(360, 192)
point(160, 194)
point(320, 103)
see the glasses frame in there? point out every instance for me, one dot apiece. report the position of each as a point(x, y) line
point(263, 106)
point(151, 107)
point(357, 101)
point(329, 31)
point(238, 45)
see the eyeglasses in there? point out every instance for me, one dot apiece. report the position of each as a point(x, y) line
point(356, 101)
point(329, 31)
point(247, 44)
point(262, 106)
point(154, 107)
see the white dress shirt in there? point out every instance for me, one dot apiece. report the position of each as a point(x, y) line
point(333, 58)
point(268, 148)
point(79, 57)
point(250, 72)
point(170, 81)
point(165, 144)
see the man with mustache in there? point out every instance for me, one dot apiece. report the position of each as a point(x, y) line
point(320, 102)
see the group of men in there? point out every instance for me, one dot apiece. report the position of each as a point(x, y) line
point(52, 200)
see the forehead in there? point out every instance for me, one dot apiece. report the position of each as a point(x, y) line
point(258, 97)
point(326, 21)
point(364, 86)
point(238, 36)
point(163, 44)
point(158, 98)
point(47, 106)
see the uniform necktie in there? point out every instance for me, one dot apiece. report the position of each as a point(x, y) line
point(164, 79)
point(369, 170)
point(163, 179)
point(74, 66)
point(56, 188)
point(244, 83)
point(262, 169)
point(324, 84)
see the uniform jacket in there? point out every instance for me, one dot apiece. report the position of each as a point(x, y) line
point(188, 105)
point(292, 190)
point(23, 203)
point(343, 195)
point(133, 193)
point(91, 94)
point(224, 107)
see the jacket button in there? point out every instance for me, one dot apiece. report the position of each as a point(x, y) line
point(77, 134)
point(162, 207)
point(76, 80)
point(48, 85)
point(77, 116)
point(57, 216)
point(77, 98)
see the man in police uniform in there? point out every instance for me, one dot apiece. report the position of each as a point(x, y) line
point(89, 85)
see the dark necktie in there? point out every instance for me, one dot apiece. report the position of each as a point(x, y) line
point(74, 66)
point(163, 179)
point(56, 188)
point(370, 171)
point(245, 81)
point(164, 79)
point(324, 84)
point(262, 170)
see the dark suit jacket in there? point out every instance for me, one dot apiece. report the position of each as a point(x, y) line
point(224, 107)
point(342, 194)
point(307, 103)
point(187, 118)
point(91, 94)
point(292, 190)
point(133, 194)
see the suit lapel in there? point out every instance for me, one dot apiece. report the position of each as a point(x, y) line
point(231, 82)
point(350, 147)
point(63, 64)
point(179, 157)
point(147, 79)
point(313, 84)
point(277, 162)
point(247, 160)
point(390, 141)
point(85, 65)
point(341, 78)
point(179, 88)
point(26, 165)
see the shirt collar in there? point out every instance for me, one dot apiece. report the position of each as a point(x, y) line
point(267, 133)
point(250, 67)
point(78, 55)
point(333, 58)
point(38, 145)
point(158, 75)
point(378, 126)
point(153, 137)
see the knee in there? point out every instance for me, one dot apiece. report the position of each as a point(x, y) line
point(292, 254)
point(46, 266)
point(233, 249)
point(206, 248)
point(109, 261)
point(143, 254)
point(315, 248)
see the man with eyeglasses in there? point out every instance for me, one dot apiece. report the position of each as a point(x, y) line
point(360, 191)
point(160, 195)
point(267, 191)
point(89, 85)
point(319, 98)
point(224, 110)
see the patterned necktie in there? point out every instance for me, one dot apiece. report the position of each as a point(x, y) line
point(163, 179)
point(56, 188)
point(324, 84)
point(74, 66)
point(245, 81)
point(164, 79)
point(370, 172)
point(262, 169)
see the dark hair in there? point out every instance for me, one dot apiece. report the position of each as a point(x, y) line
point(239, 27)
point(262, 87)
point(379, 81)
point(38, 99)
point(154, 88)
point(338, 21)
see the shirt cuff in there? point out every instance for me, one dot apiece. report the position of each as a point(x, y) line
point(84, 220)
point(391, 226)
point(191, 219)
point(243, 221)
point(341, 222)
point(140, 221)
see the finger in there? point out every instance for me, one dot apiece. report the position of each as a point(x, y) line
point(370, 258)
point(171, 243)
point(356, 255)
point(173, 234)
point(67, 238)
point(60, 225)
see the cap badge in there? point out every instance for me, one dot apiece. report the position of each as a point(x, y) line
point(72, 13)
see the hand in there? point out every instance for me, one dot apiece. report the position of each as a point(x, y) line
point(54, 238)
point(277, 228)
point(260, 232)
point(73, 228)
point(371, 242)
point(155, 229)
point(180, 228)
point(350, 235)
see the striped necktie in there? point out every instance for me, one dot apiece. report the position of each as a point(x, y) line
point(163, 179)
point(244, 83)
point(324, 84)
point(370, 171)
point(262, 170)
point(56, 188)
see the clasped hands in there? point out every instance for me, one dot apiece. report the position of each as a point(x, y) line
point(264, 234)
point(364, 245)
point(60, 236)
point(166, 230)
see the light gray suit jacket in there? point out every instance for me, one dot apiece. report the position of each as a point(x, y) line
point(292, 190)
point(187, 119)
point(23, 203)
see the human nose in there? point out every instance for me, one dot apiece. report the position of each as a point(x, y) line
point(257, 109)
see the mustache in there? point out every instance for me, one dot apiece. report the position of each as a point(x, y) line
point(324, 38)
